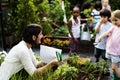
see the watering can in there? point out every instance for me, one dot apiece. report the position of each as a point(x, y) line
point(85, 34)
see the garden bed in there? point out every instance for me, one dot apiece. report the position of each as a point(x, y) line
point(73, 68)
point(79, 68)
point(60, 42)
point(85, 46)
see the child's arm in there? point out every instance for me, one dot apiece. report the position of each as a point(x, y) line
point(105, 34)
point(70, 30)
point(102, 21)
point(97, 27)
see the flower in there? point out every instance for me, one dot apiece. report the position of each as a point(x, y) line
point(46, 15)
point(47, 41)
point(56, 42)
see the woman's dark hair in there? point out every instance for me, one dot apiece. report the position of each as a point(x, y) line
point(29, 31)
point(105, 12)
point(98, 5)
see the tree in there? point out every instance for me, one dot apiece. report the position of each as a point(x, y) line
point(20, 14)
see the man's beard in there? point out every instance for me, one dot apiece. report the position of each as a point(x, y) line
point(35, 44)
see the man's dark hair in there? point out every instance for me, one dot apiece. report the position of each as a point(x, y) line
point(29, 31)
point(105, 12)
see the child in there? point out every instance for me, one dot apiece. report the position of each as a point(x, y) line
point(105, 5)
point(113, 46)
point(96, 13)
point(102, 26)
point(74, 30)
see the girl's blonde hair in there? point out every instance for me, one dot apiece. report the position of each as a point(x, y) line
point(104, 0)
point(115, 14)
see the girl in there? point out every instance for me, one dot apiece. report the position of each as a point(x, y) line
point(105, 5)
point(74, 30)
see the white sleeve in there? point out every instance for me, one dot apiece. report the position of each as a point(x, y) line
point(26, 61)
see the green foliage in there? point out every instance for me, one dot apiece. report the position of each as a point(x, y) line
point(87, 13)
point(23, 75)
point(88, 69)
point(103, 65)
point(70, 71)
point(67, 9)
point(72, 60)
point(23, 12)
point(43, 9)
point(114, 4)
point(50, 13)
point(37, 56)
point(65, 72)
point(56, 12)
point(61, 31)
point(2, 56)
point(20, 14)
point(46, 27)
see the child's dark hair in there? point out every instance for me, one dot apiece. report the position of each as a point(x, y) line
point(98, 5)
point(72, 6)
point(86, 5)
point(105, 12)
point(29, 31)
point(76, 7)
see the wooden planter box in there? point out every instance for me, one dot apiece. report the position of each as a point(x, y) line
point(65, 49)
point(85, 47)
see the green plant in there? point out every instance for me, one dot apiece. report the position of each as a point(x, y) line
point(114, 4)
point(73, 60)
point(103, 65)
point(20, 14)
point(67, 9)
point(56, 13)
point(87, 13)
point(37, 56)
point(2, 56)
point(46, 27)
point(65, 72)
point(61, 31)
point(88, 71)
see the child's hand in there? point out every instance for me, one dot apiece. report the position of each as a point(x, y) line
point(99, 39)
point(103, 20)
point(75, 40)
point(114, 66)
